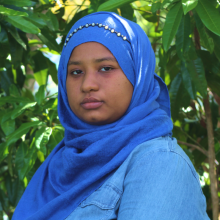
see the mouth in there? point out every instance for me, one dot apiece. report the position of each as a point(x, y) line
point(91, 103)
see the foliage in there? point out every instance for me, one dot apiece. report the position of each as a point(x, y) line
point(185, 35)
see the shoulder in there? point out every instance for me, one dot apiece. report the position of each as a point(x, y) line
point(162, 151)
point(160, 176)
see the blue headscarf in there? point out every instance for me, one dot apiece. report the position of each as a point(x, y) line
point(89, 154)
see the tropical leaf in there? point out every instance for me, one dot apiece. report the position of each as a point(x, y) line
point(40, 94)
point(172, 22)
point(23, 24)
point(207, 41)
point(18, 3)
point(197, 73)
point(21, 108)
point(188, 5)
point(11, 12)
point(209, 15)
point(187, 81)
point(112, 4)
point(183, 40)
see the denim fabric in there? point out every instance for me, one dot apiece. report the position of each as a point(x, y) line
point(156, 182)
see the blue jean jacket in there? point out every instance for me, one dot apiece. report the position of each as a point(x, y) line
point(156, 182)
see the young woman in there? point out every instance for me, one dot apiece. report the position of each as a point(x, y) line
point(117, 159)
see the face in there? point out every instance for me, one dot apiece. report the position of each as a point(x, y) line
point(98, 91)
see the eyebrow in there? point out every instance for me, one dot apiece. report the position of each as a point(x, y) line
point(72, 62)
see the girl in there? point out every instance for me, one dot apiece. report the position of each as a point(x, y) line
point(117, 159)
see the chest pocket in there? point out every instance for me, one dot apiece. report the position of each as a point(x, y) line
point(100, 205)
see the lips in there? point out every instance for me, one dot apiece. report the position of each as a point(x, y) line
point(91, 103)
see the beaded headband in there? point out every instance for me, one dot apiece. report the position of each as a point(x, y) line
point(93, 25)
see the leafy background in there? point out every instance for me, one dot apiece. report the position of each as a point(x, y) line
point(185, 36)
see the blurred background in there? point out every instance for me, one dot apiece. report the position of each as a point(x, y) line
point(185, 36)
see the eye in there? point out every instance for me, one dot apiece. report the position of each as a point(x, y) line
point(106, 68)
point(76, 72)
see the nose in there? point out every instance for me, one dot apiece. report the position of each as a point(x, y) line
point(90, 82)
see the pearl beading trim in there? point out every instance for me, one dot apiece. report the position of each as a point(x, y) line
point(93, 25)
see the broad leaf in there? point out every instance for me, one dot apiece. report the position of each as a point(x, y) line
point(18, 3)
point(10, 99)
point(8, 127)
point(207, 41)
point(112, 4)
point(49, 40)
point(187, 81)
point(188, 5)
point(5, 82)
point(41, 77)
point(11, 12)
point(23, 129)
point(197, 73)
point(13, 31)
point(209, 15)
point(23, 24)
point(183, 40)
point(156, 6)
point(172, 22)
point(52, 21)
point(174, 88)
point(40, 94)
point(42, 138)
point(20, 109)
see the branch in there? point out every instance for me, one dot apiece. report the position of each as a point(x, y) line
point(211, 157)
point(194, 146)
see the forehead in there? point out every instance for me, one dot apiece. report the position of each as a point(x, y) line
point(92, 50)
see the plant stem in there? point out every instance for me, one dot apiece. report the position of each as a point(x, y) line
point(211, 158)
point(194, 146)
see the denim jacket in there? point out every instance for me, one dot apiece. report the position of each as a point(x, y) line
point(156, 182)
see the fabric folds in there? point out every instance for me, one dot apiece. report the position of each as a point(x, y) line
point(89, 154)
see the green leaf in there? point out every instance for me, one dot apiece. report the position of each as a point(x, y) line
point(5, 82)
point(188, 5)
point(16, 52)
point(41, 77)
point(23, 129)
point(167, 3)
point(55, 138)
point(217, 44)
point(8, 127)
point(187, 81)
point(29, 161)
point(172, 22)
point(53, 71)
point(10, 99)
point(42, 138)
point(127, 11)
point(113, 4)
point(207, 41)
point(20, 109)
point(52, 22)
point(209, 15)
point(197, 72)
point(36, 19)
point(11, 12)
point(49, 40)
point(23, 24)
point(14, 91)
point(13, 31)
point(15, 189)
point(174, 88)
point(156, 6)
point(40, 94)
point(18, 3)
point(20, 155)
point(183, 40)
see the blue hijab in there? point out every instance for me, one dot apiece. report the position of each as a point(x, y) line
point(89, 154)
